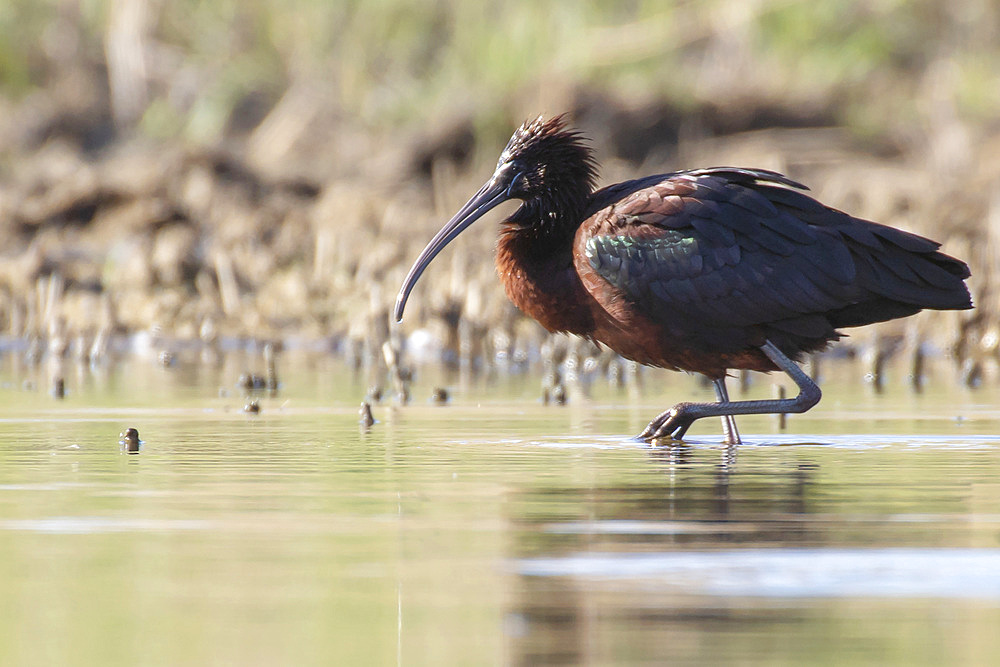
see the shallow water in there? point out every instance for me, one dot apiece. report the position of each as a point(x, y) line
point(493, 530)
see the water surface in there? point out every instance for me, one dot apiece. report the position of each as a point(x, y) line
point(492, 530)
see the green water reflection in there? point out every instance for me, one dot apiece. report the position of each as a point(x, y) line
point(493, 530)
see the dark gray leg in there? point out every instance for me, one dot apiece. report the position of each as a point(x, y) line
point(728, 421)
point(675, 422)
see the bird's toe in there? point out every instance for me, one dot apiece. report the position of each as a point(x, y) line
point(653, 428)
point(669, 426)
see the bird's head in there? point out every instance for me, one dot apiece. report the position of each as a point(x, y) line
point(546, 165)
point(545, 161)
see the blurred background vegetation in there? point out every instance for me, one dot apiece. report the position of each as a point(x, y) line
point(268, 169)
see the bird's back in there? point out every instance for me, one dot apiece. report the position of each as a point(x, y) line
point(718, 260)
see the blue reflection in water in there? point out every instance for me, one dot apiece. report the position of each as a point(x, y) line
point(905, 572)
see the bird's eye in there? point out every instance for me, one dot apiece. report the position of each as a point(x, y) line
point(517, 167)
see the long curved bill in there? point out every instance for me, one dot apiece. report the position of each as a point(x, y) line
point(489, 196)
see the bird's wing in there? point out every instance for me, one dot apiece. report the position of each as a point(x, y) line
point(711, 249)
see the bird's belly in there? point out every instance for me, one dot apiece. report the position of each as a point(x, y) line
point(653, 344)
point(560, 302)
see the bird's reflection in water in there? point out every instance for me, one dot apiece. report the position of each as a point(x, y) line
point(705, 503)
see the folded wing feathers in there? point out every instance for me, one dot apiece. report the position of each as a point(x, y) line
point(741, 247)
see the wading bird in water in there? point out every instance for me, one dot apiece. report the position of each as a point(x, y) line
point(704, 270)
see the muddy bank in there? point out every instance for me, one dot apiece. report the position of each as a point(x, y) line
point(297, 225)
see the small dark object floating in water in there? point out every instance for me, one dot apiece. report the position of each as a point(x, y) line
point(129, 440)
point(703, 270)
point(365, 417)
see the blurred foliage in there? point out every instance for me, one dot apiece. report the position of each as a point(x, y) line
point(390, 62)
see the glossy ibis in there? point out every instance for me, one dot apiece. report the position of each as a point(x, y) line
point(703, 270)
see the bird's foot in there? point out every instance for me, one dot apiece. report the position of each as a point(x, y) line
point(669, 425)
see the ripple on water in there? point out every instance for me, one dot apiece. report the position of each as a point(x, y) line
point(837, 441)
point(798, 573)
point(87, 525)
